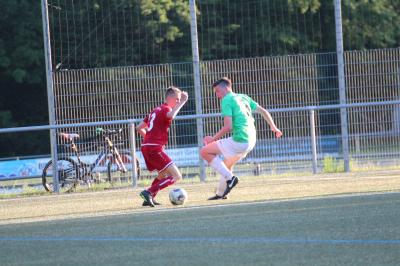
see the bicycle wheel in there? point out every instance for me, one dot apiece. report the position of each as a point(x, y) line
point(67, 175)
point(114, 172)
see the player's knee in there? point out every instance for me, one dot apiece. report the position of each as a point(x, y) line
point(206, 155)
point(203, 153)
point(177, 177)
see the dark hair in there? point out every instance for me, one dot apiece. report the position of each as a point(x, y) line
point(172, 91)
point(224, 81)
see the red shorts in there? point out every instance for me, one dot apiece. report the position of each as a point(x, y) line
point(155, 157)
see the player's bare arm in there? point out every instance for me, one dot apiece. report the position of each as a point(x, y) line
point(141, 129)
point(175, 110)
point(224, 130)
point(267, 117)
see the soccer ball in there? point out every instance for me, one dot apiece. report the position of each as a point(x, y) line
point(178, 196)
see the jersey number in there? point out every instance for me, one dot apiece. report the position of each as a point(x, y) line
point(152, 117)
point(245, 108)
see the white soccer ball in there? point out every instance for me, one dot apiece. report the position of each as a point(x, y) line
point(178, 196)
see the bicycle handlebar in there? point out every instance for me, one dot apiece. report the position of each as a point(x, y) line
point(108, 132)
point(69, 136)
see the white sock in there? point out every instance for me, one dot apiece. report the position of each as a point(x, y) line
point(221, 186)
point(218, 165)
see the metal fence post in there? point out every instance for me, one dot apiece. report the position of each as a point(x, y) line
point(197, 84)
point(313, 141)
point(342, 85)
point(132, 138)
point(50, 93)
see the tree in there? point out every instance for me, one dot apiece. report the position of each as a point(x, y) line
point(371, 24)
point(23, 91)
point(21, 42)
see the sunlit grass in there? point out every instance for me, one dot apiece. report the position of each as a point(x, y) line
point(191, 175)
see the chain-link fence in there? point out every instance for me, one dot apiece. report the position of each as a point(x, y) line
point(274, 82)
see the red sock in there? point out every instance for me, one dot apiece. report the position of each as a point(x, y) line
point(155, 183)
point(161, 184)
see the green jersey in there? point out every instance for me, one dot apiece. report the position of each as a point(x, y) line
point(240, 107)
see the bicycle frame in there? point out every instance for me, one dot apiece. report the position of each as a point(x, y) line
point(108, 156)
point(116, 155)
point(110, 150)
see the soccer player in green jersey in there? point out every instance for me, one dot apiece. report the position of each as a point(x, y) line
point(238, 118)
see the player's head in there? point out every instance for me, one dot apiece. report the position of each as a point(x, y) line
point(172, 96)
point(222, 87)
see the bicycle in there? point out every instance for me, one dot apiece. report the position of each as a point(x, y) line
point(73, 171)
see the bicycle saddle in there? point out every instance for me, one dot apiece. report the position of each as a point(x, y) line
point(69, 136)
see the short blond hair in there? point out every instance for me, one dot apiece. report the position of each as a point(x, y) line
point(172, 91)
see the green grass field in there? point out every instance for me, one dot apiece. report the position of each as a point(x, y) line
point(250, 188)
point(346, 230)
point(327, 219)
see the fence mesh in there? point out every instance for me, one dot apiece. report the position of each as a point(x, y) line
point(88, 34)
point(274, 82)
point(240, 29)
point(109, 33)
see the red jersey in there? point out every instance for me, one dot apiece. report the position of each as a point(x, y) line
point(157, 125)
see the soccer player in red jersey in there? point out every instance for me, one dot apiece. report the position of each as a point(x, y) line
point(154, 129)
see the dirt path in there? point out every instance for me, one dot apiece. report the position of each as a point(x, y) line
point(43, 208)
